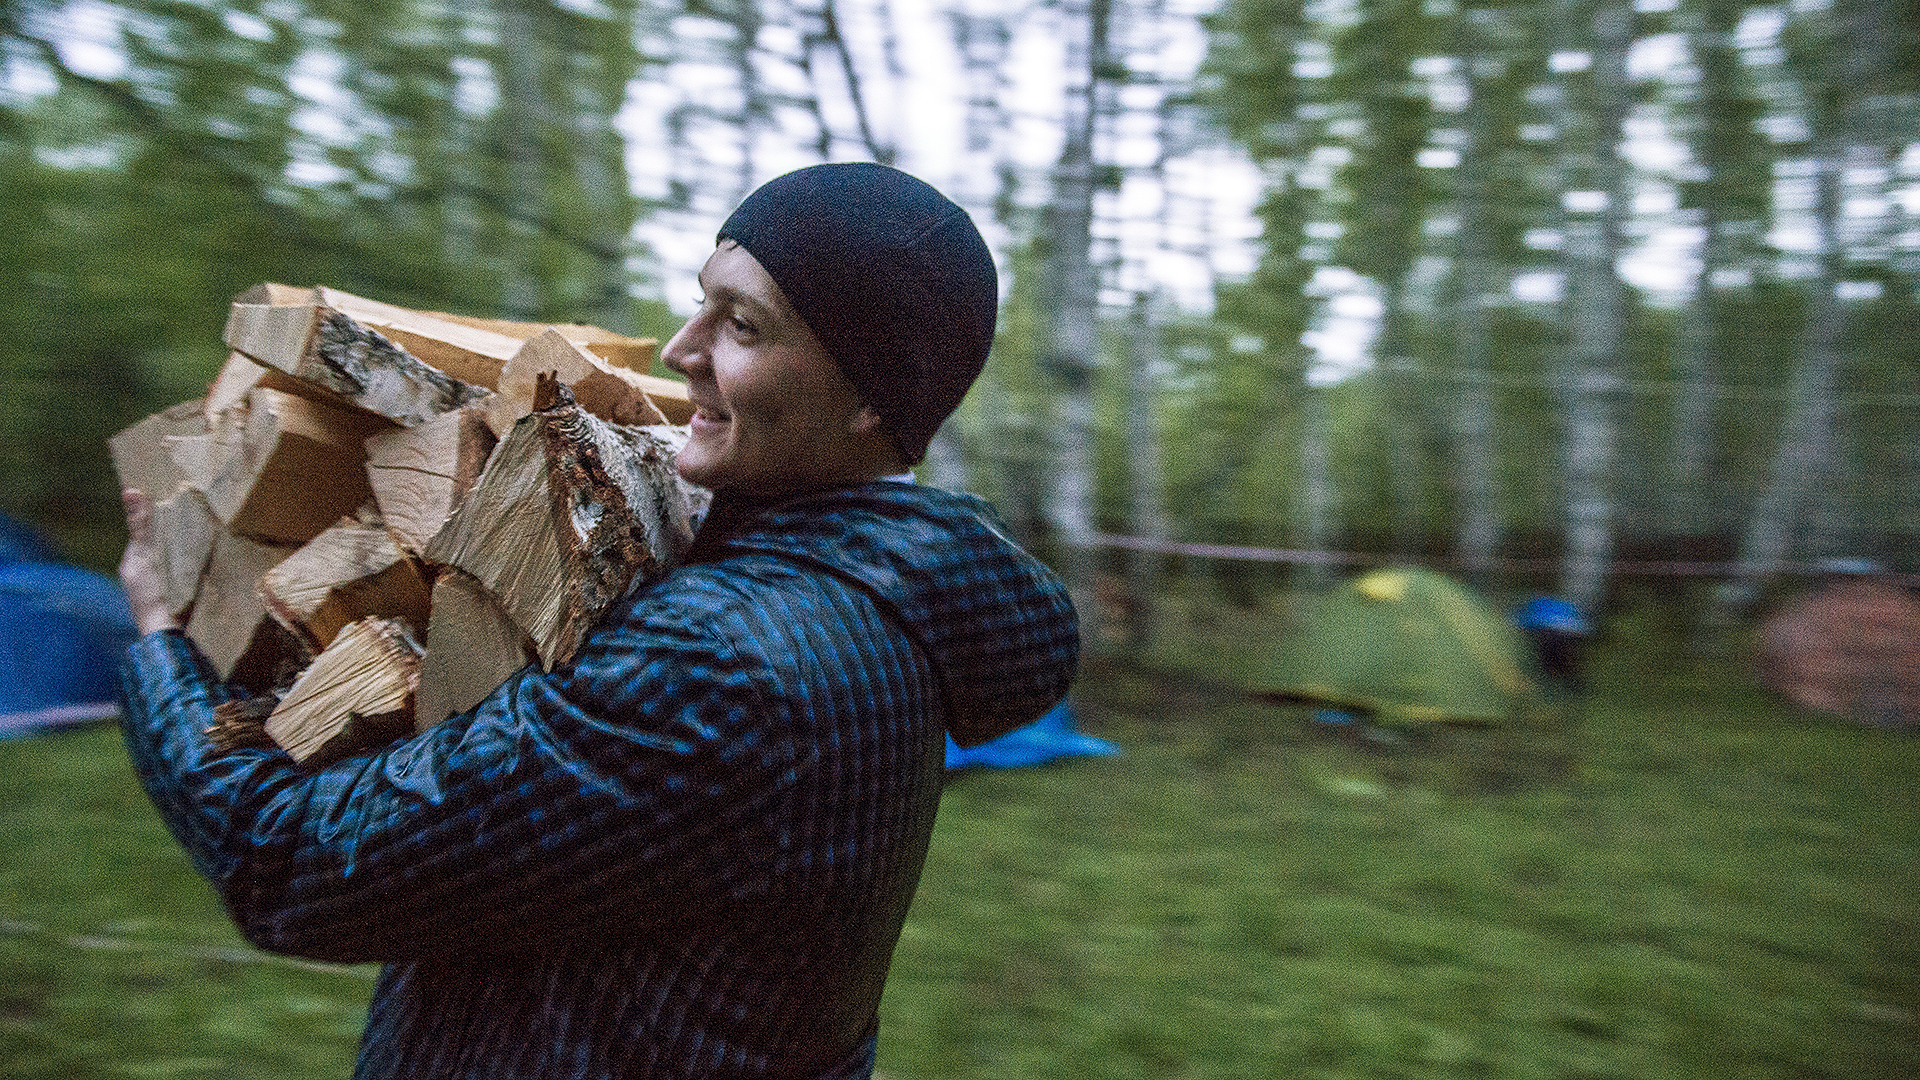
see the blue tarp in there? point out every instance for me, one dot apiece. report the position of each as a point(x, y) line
point(1052, 736)
point(63, 631)
point(1551, 613)
point(21, 542)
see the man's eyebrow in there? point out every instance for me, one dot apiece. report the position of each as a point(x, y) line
point(756, 306)
point(749, 303)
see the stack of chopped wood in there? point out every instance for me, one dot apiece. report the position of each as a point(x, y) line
point(378, 514)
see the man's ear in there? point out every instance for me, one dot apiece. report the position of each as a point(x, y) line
point(871, 431)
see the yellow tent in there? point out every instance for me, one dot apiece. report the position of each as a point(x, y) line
point(1409, 646)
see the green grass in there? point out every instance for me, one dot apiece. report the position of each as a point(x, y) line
point(117, 959)
point(1684, 880)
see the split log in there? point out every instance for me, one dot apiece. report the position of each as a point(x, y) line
point(468, 353)
point(667, 395)
point(184, 533)
point(419, 475)
point(193, 455)
point(241, 724)
point(330, 405)
point(473, 645)
point(351, 571)
point(271, 292)
point(470, 350)
point(620, 350)
point(147, 457)
point(354, 696)
point(613, 394)
point(230, 622)
point(141, 455)
point(236, 378)
point(241, 373)
point(284, 467)
point(568, 511)
point(364, 367)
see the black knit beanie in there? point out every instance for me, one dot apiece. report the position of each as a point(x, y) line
point(889, 274)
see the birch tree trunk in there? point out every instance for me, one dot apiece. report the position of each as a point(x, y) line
point(1477, 496)
point(1383, 218)
point(1148, 504)
point(1689, 507)
point(1316, 480)
point(1406, 423)
point(746, 20)
point(1315, 499)
point(945, 466)
point(599, 74)
point(1070, 297)
point(1596, 314)
point(1805, 432)
point(1842, 74)
point(1723, 133)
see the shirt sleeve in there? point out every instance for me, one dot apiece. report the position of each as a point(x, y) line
point(646, 783)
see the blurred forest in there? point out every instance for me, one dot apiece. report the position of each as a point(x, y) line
point(1583, 286)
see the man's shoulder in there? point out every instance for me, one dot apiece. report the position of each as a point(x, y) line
point(911, 521)
point(739, 593)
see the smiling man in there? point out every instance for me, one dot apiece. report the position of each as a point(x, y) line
point(689, 852)
point(773, 412)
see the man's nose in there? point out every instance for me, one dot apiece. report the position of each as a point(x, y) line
point(684, 347)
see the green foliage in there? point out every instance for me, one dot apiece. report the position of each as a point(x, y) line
point(1385, 191)
point(139, 204)
point(1004, 423)
point(1437, 240)
point(1722, 117)
point(1229, 468)
point(1248, 75)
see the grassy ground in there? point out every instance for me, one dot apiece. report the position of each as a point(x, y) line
point(1686, 880)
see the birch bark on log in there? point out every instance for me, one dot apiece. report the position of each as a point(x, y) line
point(459, 348)
point(610, 393)
point(568, 511)
point(467, 353)
point(363, 367)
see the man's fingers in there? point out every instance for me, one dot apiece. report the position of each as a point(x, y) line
point(139, 515)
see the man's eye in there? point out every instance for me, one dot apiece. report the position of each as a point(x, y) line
point(740, 325)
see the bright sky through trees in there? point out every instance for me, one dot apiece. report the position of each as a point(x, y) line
point(1180, 229)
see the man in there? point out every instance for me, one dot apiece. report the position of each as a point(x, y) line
point(689, 851)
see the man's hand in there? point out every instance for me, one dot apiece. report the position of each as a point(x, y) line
point(140, 568)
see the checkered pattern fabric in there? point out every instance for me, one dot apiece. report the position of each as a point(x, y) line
point(689, 852)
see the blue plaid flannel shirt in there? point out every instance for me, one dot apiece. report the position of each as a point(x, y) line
point(686, 853)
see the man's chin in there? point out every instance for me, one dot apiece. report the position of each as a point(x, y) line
point(694, 468)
